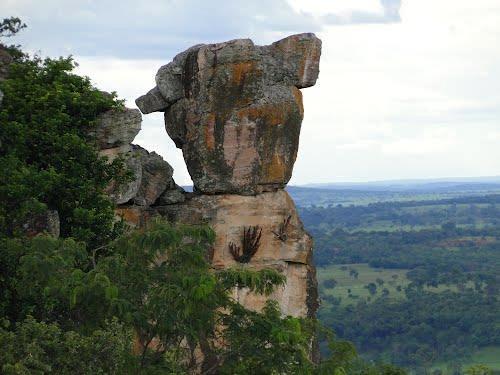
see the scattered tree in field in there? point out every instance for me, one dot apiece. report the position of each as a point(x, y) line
point(330, 283)
point(353, 273)
point(372, 288)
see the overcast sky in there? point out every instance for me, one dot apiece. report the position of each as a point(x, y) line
point(407, 88)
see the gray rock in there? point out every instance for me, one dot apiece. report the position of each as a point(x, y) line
point(117, 127)
point(172, 196)
point(156, 178)
point(153, 101)
point(126, 192)
point(152, 176)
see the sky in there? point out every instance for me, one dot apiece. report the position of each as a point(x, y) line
point(407, 88)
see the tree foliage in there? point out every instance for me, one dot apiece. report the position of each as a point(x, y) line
point(47, 160)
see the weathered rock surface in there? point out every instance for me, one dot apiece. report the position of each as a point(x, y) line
point(117, 127)
point(228, 215)
point(151, 175)
point(152, 178)
point(235, 109)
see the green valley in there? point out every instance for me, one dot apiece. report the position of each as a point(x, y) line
point(414, 283)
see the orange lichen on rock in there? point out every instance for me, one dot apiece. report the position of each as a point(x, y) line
point(272, 114)
point(133, 216)
point(297, 94)
point(240, 70)
point(274, 170)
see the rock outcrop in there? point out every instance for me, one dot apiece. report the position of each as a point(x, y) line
point(291, 253)
point(235, 109)
point(117, 128)
point(151, 175)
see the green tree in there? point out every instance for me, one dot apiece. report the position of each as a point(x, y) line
point(372, 288)
point(330, 283)
point(479, 370)
point(34, 347)
point(47, 160)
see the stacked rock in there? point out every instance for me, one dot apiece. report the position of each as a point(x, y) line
point(151, 183)
point(235, 109)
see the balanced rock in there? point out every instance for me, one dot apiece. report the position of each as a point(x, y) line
point(235, 110)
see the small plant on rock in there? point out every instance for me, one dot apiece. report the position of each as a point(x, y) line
point(282, 233)
point(251, 243)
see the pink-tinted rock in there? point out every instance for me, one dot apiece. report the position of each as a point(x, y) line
point(235, 109)
point(229, 215)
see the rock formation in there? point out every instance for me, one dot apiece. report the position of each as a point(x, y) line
point(235, 109)
point(152, 180)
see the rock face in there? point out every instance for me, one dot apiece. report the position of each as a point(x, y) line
point(235, 110)
point(152, 178)
point(291, 253)
point(151, 175)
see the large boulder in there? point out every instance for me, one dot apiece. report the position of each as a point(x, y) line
point(235, 110)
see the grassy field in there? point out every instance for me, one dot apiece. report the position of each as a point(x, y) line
point(392, 278)
point(351, 288)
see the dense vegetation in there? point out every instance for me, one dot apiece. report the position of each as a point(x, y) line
point(105, 299)
point(434, 293)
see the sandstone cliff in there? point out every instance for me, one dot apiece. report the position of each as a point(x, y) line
point(235, 109)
